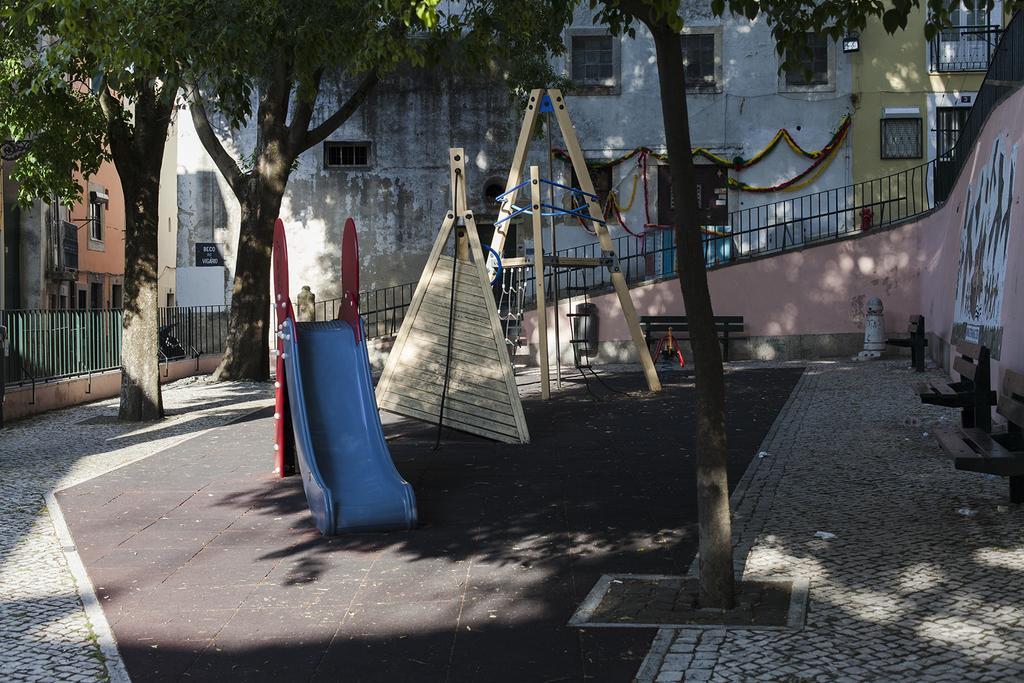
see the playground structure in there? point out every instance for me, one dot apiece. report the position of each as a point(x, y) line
point(449, 363)
point(585, 207)
point(325, 393)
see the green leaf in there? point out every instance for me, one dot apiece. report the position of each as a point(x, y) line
point(891, 20)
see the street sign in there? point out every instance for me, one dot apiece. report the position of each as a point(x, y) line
point(208, 254)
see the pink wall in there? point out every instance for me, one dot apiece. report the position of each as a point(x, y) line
point(822, 289)
point(818, 290)
point(940, 239)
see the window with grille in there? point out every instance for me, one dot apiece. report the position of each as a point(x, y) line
point(592, 60)
point(949, 121)
point(901, 138)
point(812, 70)
point(346, 154)
point(699, 59)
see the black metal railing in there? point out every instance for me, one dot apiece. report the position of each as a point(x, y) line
point(817, 217)
point(1005, 75)
point(963, 48)
point(200, 330)
point(382, 309)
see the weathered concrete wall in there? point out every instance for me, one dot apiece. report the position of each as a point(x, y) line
point(398, 202)
point(411, 121)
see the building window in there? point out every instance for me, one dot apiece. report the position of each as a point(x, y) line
point(96, 221)
point(699, 60)
point(814, 68)
point(601, 176)
point(117, 296)
point(96, 295)
point(82, 303)
point(346, 154)
point(901, 138)
point(593, 59)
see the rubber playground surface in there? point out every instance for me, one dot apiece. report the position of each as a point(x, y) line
point(208, 568)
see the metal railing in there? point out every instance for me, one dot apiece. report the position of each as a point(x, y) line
point(1005, 75)
point(382, 309)
point(963, 48)
point(808, 219)
point(47, 345)
point(200, 330)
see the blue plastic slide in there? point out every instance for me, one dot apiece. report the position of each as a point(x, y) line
point(351, 483)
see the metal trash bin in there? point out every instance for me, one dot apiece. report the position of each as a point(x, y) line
point(584, 332)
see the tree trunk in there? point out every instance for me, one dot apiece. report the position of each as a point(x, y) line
point(140, 372)
point(247, 351)
point(140, 375)
point(717, 586)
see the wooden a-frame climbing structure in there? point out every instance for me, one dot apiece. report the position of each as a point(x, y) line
point(449, 363)
point(551, 101)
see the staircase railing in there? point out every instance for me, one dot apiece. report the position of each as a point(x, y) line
point(800, 221)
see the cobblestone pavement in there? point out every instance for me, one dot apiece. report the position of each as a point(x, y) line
point(47, 634)
point(922, 580)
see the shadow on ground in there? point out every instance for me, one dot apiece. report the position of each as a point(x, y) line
point(208, 568)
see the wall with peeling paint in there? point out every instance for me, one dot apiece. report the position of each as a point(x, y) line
point(411, 121)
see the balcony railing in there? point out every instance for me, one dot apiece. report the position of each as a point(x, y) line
point(1005, 75)
point(963, 48)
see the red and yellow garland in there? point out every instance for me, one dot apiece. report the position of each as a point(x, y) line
point(822, 158)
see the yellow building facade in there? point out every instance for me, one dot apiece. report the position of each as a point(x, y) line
point(910, 95)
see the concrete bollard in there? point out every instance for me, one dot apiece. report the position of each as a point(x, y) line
point(874, 331)
point(307, 305)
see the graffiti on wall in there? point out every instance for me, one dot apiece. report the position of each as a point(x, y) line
point(983, 241)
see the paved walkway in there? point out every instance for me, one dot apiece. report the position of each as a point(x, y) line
point(922, 581)
point(46, 633)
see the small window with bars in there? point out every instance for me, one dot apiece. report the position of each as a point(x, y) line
point(346, 154)
point(901, 138)
point(699, 60)
point(592, 60)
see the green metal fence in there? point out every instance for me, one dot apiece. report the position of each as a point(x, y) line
point(47, 345)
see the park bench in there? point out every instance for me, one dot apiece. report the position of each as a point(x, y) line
point(976, 450)
point(726, 327)
point(915, 341)
point(972, 393)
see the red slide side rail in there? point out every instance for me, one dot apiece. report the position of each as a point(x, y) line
point(284, 440)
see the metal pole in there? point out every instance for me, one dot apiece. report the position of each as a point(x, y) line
point(554, 253)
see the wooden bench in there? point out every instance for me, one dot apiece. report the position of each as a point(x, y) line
point(726, 326)
point(976, 450)
point(972, 394)
point(916, 341)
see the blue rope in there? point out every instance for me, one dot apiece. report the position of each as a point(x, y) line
point(574, 190)
point(514, 189)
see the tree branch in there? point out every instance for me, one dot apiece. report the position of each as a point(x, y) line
point(225, 162)
point(117, 130)
point(355, 100)
point(302, 116)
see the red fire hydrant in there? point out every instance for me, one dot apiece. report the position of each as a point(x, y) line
point(867, 216)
